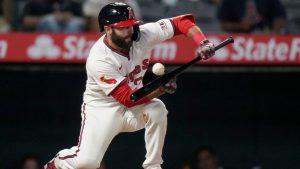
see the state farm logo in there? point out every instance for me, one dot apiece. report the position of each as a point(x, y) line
point(72, 48)
point(44, 47)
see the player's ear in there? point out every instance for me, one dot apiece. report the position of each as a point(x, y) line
point(108, 30)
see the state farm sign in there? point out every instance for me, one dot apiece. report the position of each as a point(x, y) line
point(256, 50)
point(74, 48)
point(77, 47)
point(247, 49)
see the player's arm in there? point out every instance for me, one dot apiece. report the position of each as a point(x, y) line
point(112, 83)
point(123, 92)
point(185, 24)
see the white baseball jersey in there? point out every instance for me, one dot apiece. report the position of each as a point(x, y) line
point(107, 68)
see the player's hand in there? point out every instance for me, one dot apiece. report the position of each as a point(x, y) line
point(206, 49)
point(170, 87)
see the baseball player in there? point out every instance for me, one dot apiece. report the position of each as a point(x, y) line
point(115, 68)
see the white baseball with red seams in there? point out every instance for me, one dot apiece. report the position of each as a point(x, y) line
point(158, 69)
point(103, 117)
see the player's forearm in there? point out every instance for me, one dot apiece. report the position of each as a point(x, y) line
point(196, 34)
point(122, 94)
point(192, 31)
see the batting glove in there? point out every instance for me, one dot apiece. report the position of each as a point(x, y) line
point(206, 49)
point(170, 87)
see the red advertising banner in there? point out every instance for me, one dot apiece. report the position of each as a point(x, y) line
point(74, 48)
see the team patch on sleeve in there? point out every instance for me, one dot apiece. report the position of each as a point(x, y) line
point(163, 25)
point(104, 79)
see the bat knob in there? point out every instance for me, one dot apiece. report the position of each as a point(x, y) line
point(133, 98)
point(231, 40)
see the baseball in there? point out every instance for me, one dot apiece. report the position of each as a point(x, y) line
point(158, 69)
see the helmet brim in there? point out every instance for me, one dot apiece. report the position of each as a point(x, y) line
point(126, 23)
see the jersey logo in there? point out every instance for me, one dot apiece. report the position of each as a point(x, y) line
point(130, 13)
point(133, 75)
point(108, 81)
point(162, 25)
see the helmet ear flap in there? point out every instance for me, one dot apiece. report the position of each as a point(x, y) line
point(136, 33)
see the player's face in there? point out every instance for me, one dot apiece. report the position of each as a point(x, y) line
point(122, 37)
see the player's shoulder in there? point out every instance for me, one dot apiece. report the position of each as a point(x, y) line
point(100, 55)
point(154, 32)
point(99, 50)
point(162, 24)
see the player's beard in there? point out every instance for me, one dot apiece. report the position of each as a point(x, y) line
point(124, 43)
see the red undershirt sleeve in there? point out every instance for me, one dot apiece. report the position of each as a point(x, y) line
point(183, 23)
point(122, 95)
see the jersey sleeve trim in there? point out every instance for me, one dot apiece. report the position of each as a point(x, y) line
point(114, 89)
point(174, 29)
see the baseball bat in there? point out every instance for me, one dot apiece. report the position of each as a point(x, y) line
point(162, 80)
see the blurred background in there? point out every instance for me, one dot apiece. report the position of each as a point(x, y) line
point(237, 111)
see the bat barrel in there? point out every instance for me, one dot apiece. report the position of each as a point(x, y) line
point(224, 43)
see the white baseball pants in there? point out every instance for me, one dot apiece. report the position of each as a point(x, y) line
point(100, 126)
